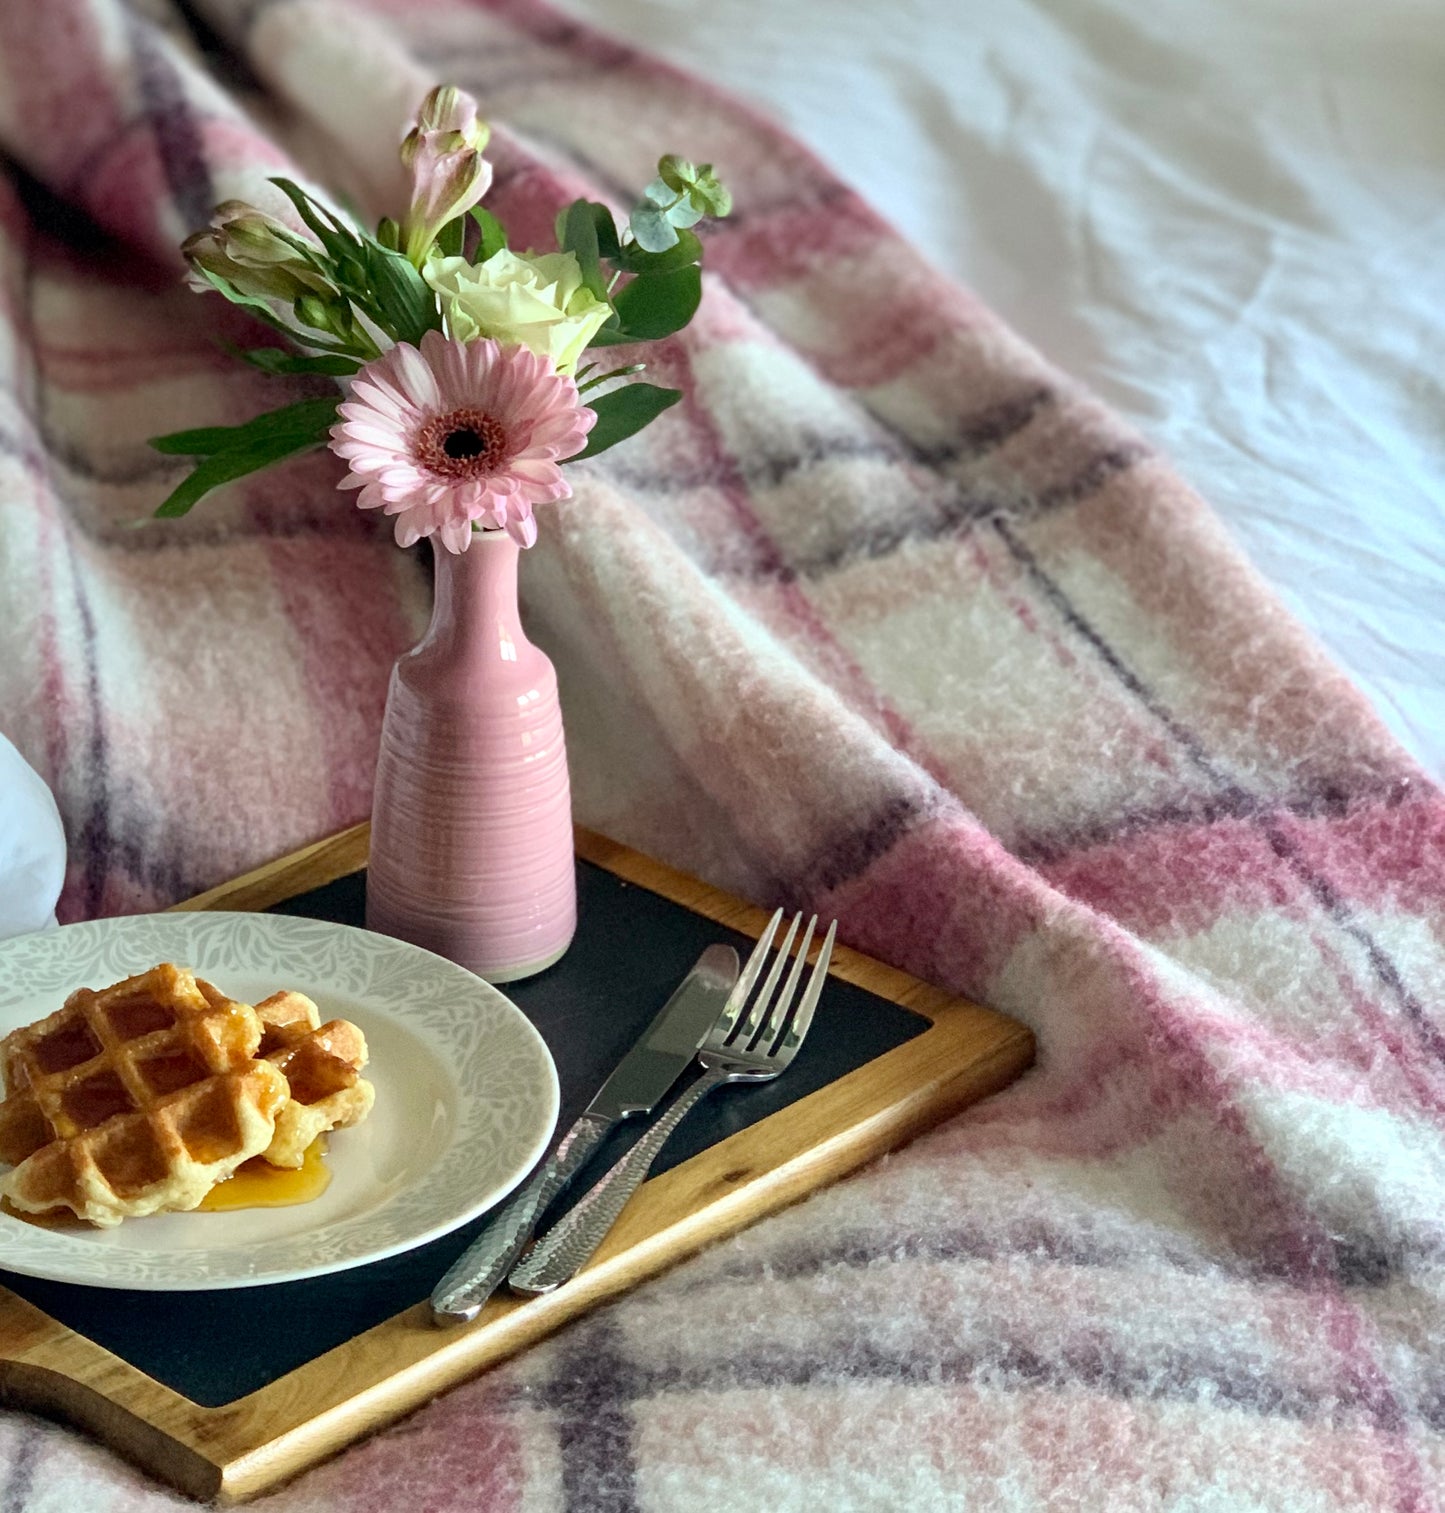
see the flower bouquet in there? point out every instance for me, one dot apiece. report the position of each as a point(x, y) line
point(464, 396)
point(461, 355)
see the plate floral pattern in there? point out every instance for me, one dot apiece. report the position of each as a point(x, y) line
point(467, 1098)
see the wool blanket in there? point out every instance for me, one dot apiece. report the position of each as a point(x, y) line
point(887, 618)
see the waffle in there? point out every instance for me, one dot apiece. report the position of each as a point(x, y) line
point(322, 1064)
point(134, 1100)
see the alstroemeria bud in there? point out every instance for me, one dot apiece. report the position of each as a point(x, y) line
point(448, 172)
point(448, 110)
point(254, 236)
point(256, 253)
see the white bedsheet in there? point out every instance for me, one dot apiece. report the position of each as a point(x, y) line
point(1225, 216)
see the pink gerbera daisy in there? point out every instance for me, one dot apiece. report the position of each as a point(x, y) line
point(459, 434)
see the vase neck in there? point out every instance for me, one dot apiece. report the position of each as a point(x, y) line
point(475, 603)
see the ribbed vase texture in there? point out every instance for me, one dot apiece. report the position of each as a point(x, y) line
point(471, 827)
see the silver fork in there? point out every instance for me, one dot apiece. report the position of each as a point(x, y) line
point(750, 1043)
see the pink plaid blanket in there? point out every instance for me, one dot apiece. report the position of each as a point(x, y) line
point(886, 617)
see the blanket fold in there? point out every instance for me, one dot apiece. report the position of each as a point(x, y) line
point(887, 617)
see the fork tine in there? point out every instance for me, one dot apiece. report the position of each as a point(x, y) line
point(758, 1012)
point(738, 998)
point(804, 1017)
point(771, 1035)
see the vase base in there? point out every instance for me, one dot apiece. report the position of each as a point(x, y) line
point(529, 969)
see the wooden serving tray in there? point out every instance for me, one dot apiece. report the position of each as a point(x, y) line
point(954, 1054)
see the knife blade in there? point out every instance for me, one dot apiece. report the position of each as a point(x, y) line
point(636, 1086)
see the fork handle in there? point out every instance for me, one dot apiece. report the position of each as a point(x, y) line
point(567, 1247)
point(478, 1271)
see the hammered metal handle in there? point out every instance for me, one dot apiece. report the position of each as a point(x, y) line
point(567, 1247)
point(478, 1272)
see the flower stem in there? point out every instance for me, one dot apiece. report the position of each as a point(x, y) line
point(602, 378)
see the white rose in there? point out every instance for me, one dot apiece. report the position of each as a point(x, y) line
point(534, 300)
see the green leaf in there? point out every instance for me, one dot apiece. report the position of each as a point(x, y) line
point(494, 234)
point(709, 194)
point(624, 412)
point(677, 173)
point(235, 462)
point(252, 302)
point(262, 311)
point(230, 452)
point(401, 302)
point(449, 238)
point(333, 234)
point(608, 244)
point(684, 213)
point(343, 245)
point(612, 336)
point(305, 417)
point(635, 259)
point(652, 229)
point(278, 360)
point(652, 307)
point(604, 228)
point(577, 234)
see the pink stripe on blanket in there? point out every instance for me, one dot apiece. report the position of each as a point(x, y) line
point(345, 643)
point(126, 188)
point(1176, 876)
point(460, 1454)
point(47, 69)
point(923, 901)
point(1382, 853)
point(773, 246)
point(1018, 1435)
point(883, 338)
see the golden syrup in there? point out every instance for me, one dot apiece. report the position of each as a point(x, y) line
point(255, 1184)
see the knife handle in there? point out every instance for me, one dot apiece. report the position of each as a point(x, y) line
point(567, 1247)
point(475, 1276)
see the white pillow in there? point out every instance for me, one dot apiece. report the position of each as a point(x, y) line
point(32, 847)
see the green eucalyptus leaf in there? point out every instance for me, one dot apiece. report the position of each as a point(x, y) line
point(307, 417)
point(652, 229)
point(659, 192)
point(677, 173)
point(634, 258)
point(622, 413)
point(684, 213)
point(710, 195)
point(649, 308)
point(494, 235)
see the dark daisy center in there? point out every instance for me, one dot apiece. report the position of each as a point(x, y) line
point(463, 443)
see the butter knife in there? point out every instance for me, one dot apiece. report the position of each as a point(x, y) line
point(638, 1084)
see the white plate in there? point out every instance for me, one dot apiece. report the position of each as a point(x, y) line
point(466, 1098)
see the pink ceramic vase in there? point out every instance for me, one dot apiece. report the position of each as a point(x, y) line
point(471, 823)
